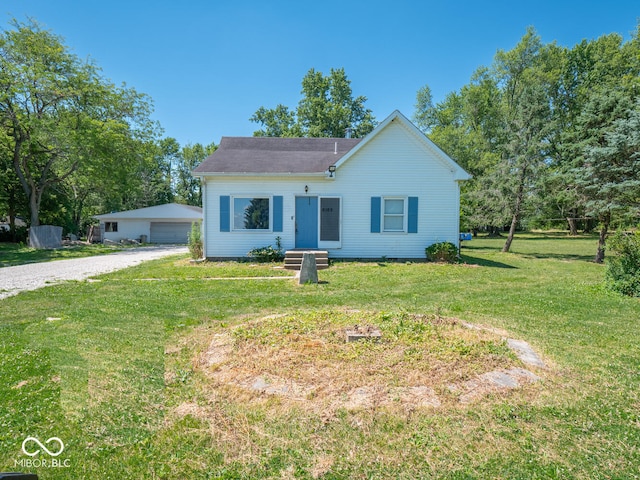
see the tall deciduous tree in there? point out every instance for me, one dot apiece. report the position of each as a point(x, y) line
point(276, 122)
point(525, 113)
point(187, 187)
point(327, 109)
point(58, 114)
point(12, 199)
point(494, 127)
point(532, 128)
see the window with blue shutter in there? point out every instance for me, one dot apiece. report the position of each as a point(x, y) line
point(277, 213)
point(412, 220)
point(225, 213)
point(375, 214)
point(394, 214)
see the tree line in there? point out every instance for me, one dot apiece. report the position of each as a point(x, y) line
point(551, 135)
point(73, 144)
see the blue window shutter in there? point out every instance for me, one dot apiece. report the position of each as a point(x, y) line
point(277, 213)
point(412, 220)
point(376, 203)
point(225, 213)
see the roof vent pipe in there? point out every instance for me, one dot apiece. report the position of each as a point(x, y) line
point(347, 132)
point(335, 148)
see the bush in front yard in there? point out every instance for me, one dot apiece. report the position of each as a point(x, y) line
point(442, 252)
point(623, 268)
point(268, 254)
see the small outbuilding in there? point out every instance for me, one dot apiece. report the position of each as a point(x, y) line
point(168, 223)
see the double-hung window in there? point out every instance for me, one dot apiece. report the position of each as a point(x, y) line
point(394, 214)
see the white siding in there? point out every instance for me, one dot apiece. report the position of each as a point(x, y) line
point(393, 163)
point(238, 243)
point(127, 229)
point(133, 229)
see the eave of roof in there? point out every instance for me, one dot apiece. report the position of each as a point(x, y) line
point(167, 210)
point(275, 156)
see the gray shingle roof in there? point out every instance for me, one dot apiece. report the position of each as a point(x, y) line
point(275, 155)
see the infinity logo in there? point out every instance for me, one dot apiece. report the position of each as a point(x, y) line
point(33, 439)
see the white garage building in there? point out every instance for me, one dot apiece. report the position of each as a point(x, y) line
point(168, 223)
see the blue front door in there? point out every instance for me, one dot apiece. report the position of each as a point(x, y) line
point(306, 222)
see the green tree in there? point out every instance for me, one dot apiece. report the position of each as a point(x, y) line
point(592, 69)
point(187, 187)
point(327, 109)
point(609, 175)
point(12, 200)
point(531, 128)
point(494, 127)
point(276, 122)
point(522, 77)
point(169, 160)
point(464, 125)
point(58, 114)
point(118, 182)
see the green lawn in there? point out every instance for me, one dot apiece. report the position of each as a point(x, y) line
point(117, 369)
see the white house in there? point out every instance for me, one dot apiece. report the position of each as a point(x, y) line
point(391, 193)
point(168, 223)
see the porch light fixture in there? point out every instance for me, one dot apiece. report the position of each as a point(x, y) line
point(332, 170)
point(306, 189)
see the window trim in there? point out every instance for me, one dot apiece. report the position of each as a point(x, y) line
point(111, 227)
point(232, 208)
point(404, 215)
point(329, 243)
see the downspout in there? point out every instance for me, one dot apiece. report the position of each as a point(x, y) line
point(459, 213)
point(203, 229)
point(458, 242)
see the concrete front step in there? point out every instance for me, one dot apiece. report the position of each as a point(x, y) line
point(293, 259)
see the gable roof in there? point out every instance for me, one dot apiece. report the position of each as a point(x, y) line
point(168, 210)
point(275, 155)
point(458, 172)
point(305, 156)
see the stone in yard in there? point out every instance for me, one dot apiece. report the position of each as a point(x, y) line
point(494, 381)
point(308, 269)
point(525, 353)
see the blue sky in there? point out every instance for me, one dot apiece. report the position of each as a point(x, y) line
point(209, 65)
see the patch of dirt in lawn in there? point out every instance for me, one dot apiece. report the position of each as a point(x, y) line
point(426, 362)
point(190, 408)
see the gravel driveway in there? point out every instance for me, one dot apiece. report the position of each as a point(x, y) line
point(14, 280)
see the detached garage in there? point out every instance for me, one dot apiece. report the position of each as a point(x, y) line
point(168, 223)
